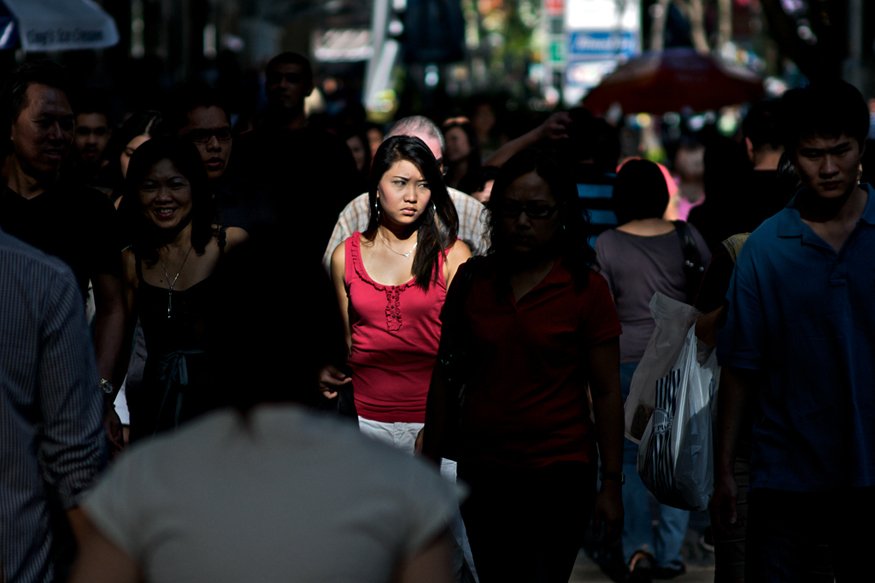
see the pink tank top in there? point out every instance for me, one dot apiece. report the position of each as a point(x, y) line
point(395, 334)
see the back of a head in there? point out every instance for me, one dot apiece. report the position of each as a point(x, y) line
point(593, 140)
point(640, 191)
point(761, 124)
point(826, 109)
point(258, 348)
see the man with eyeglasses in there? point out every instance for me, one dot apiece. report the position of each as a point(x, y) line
point(199, 115)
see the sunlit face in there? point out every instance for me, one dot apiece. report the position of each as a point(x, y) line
point(130, 148)
point(403, 194)
point(165, 196)
point(458, 145)
point(529, 215)
point(287, 86)
point(91, 136)
point(42, 132)
point(209, 130)
point(828, 166)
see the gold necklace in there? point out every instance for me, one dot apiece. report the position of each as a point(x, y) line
point(172, 283)
point(389, 247)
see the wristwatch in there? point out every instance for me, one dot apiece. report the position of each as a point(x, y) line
point(614, 477)
point(106, 386)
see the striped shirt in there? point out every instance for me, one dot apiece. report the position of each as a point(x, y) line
point(51, 433)
point(473, 228)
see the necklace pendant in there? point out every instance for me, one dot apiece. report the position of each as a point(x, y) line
point(169, 303)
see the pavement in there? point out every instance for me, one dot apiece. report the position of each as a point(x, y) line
point(698, 559)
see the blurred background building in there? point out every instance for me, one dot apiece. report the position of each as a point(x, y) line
point(405, 55)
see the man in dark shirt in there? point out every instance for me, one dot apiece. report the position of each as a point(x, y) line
point(73, 223)
point(198, 114)
point(309, 173)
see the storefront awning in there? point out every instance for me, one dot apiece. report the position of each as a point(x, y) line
point(55, 25)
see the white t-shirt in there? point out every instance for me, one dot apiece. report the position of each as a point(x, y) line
point(283, 495)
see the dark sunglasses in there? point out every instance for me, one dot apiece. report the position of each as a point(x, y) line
point(533, 211)
point(202, 136)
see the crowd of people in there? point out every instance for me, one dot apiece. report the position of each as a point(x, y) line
point(435, 392)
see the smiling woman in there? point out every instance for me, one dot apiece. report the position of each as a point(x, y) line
point(167, 209)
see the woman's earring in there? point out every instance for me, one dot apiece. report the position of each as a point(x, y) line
point(434, 207)
point(377, 210)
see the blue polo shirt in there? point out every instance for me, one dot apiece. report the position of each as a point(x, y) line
point(804, 315)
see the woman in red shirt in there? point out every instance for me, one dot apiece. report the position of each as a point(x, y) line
point(541, 332)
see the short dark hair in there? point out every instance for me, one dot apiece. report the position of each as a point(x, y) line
point(761, 124)
point(14, 95)
point(827, 108)
point(640, 191)
point(188, 97)
point(250, 292)
point(292, 58)
point(91, 100)
point(187, 160)
point(593, 139)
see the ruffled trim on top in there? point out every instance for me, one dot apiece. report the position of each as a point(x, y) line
point(394, 320)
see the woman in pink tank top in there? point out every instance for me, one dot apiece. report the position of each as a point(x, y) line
point(391, 281)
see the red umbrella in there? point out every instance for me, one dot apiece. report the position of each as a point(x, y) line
point(674, 80)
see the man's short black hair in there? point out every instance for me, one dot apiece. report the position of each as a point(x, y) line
point(761, 125)
point(292, 58)
point(828, 108)
point(188, 97)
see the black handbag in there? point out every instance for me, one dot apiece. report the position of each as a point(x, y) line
point(452, 368)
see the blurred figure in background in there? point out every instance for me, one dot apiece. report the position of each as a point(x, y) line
point(305, 170)
point(462, 158)
point(641, 256)
point(88, 164)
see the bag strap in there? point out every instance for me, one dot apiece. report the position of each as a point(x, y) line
point(694, 269)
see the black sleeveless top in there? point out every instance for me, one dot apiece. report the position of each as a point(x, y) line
point(174, 324)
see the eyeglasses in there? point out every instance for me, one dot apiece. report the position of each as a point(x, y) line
point(203, 136)
point(533, 211)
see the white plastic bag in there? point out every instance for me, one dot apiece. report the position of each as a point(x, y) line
point(673, 319)
point(675, 455)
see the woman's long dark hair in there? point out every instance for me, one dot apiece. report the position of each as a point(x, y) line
point(143, 234)
point(438, 225)
point(572, 246)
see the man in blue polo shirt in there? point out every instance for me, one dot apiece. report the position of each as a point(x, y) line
point(798, 348)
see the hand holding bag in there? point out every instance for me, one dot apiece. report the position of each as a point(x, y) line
point(673, 319)
point(675, 454)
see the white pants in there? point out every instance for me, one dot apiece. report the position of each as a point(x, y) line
point(403, 436)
